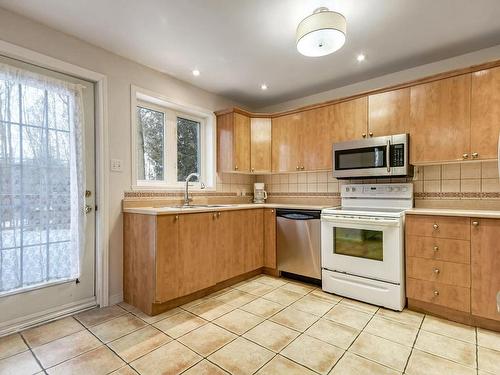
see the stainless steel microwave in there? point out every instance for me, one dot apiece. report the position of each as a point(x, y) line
point(373, 157)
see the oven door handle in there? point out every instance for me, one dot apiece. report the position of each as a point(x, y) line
point(348, 220)
point(388, 156)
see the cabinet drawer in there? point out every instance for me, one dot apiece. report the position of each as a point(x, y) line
point(438, 226)
point(438, 248)
point(453, 297)
point(435, 270)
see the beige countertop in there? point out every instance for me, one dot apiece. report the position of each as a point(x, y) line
point(168, 210)
point(454, 212)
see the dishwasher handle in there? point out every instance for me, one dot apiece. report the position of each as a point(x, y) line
point(299, 214)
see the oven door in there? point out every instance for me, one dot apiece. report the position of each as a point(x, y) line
point(365, 247)
point(369, 157)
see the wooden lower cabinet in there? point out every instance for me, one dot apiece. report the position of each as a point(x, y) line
point(167, 257)
point(453, 270)
point(485, 262)
point(270, 238)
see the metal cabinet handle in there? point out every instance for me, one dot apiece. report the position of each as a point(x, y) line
point(435, 248)
point(436, 293)
point(297, 167)
point(465, 156)
point(218, 214)
point(475, 155)
point(235, 167)
point(87, 209)
point(214, 215)
point(253, 169)
point(176, 217)
point(272, 211)
point(435, 226)
point(475, 223)
point(364, 135)
point(436, 270)
point(370, 134)
point(302, 167)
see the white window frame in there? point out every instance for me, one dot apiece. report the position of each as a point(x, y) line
point(172, 110)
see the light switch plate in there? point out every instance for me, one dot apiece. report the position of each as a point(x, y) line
point(116, 165)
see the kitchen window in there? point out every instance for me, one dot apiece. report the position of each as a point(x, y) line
point(170, 142)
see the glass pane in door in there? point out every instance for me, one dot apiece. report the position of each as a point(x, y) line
point(360, 243)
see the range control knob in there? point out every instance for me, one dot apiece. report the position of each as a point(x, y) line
point(347, 189)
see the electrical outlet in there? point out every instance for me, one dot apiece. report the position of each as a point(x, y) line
point(116, 165)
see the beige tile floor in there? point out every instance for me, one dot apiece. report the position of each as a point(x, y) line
point(261, 326)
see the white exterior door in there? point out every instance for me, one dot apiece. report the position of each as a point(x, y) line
point(42, 275)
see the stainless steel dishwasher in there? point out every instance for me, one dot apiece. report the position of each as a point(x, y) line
point(298, 242)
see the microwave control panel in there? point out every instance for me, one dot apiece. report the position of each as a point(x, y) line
point(398, 155)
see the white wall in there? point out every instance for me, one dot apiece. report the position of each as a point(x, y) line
point(121, 74)
point(462, 61)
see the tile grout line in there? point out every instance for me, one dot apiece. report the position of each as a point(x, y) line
point(414, 342)
point(32, 353)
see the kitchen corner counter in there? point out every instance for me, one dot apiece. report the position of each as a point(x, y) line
point(168, 210)
point(454, 212)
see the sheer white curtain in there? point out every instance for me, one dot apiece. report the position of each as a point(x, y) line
point(42, 179)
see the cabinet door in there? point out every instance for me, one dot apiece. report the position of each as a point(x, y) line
point(316, 140)
point(197, 252)
point(229, 258)
point(348, 120)
point(225, 139)
point(440, 120)
point(252, 239)
point(168, 258)
point(485, 113)
point(389, 113)
point(241, 141)
point(260, 149)
point(270, 238)
point(285, 143)
point(485, 263)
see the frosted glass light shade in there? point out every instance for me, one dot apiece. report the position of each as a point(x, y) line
point(321, 33)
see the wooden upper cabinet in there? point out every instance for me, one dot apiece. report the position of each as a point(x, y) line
point(485, 265)
point(485, 113)
point(285, 141)
point(241, 143)
point(440, 120)
point(389, 113)
point(348, 120)
point(260, 150)
point(197, 249)
point(316, 138)
point(233, 142)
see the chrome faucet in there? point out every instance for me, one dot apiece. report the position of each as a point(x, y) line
point(186, 191)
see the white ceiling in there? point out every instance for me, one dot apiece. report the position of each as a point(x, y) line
point(239, 44)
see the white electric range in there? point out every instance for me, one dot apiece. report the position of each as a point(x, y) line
point(362, 244)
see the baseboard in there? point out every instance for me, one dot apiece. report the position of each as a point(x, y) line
point(115, 298)
point(19, 324)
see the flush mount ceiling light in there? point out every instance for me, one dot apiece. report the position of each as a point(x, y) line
point(196, 72)
point(263, 87)
point(360, 57)
point(321, 33)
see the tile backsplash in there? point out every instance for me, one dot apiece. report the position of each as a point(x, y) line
point(468, 180)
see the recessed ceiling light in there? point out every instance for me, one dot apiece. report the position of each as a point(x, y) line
point(263, 86)
point(361, 57)
point(196, 72)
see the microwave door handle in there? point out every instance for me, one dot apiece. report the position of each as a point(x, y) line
point(388, 156)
